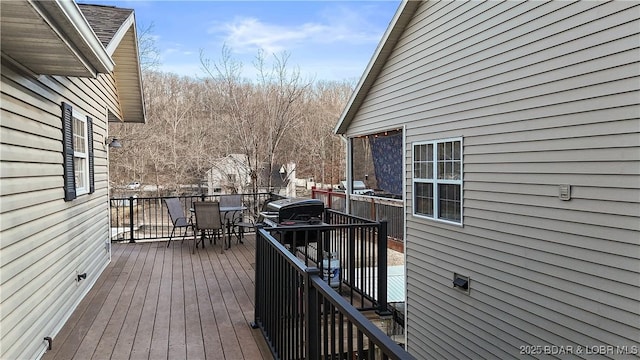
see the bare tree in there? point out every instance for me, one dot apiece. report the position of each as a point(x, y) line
point(147, 49)
point(260, 114)
point(278, 118)
point(320, 152)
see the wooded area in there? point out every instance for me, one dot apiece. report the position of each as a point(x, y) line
point(275, 119)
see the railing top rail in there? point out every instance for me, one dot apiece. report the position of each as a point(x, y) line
point(364, 220)
point(321, 227)
point(288, 255)
point(378, 200)
point(330, 191)
point(182, 196)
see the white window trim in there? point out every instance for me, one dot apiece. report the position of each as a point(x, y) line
point(77, 115)
point(435, 181)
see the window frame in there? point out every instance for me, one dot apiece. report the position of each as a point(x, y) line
point(435, 181)
point(79, 155)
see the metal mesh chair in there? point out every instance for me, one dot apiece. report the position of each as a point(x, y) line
point(236, 218)
point(207, 221)
point(178, 218)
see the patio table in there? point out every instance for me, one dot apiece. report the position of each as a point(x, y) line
point(225, 211)
point(229, 213)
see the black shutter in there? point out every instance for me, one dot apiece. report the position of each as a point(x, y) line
point(67, 153)
point(92, 181)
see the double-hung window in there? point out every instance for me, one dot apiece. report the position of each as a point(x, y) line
point(437, 179)
point(80, 154)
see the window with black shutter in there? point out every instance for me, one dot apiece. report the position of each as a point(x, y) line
point(79, 174)
point(67, 153)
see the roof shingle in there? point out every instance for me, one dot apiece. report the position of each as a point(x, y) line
point(105, 20)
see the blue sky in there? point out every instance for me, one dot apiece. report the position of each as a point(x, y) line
point(326, 40)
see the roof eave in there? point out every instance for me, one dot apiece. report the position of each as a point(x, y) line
point(131, 96)
point(87, 39)
point(65, 18)
point(403, 15)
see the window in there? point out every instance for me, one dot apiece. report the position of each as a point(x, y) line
point(77, 153)
point(437, 179)
point(80, 156)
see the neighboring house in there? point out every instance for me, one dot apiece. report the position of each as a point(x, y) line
point(67, 70)
point(232, 175)
point(521, 173)
point(229, 175)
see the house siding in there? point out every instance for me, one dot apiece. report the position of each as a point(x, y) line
point(45, 241)
point(543, 94)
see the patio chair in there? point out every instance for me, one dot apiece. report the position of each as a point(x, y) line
point(207, 221)
point(235, 219)
point(178, 218)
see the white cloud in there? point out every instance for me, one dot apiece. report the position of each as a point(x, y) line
point(193, 70)
point(248, 34)
point(175, 49)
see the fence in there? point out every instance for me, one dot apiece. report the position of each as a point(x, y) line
point(368, 207)
point(147, 218)
point(332, 200)
point(303, 317)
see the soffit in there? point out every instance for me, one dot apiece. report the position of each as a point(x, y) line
point(51, 38)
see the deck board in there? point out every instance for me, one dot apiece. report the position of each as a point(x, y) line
point(154, 302)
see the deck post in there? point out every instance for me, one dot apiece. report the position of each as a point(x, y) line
point(382, 269)
point(312, 315)
point(257, 281)
point(131, 236)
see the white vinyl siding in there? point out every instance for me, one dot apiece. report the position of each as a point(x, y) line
point(46, 241)
point(544, 94)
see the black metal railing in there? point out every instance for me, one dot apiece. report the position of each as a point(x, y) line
point(362, 251)
point(350, 252)
point(303, 317)
point(146, 218)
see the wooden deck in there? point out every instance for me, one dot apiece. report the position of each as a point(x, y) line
point(154, 302)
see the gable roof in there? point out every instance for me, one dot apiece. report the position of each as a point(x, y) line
point(403, 15)
point(116, 30)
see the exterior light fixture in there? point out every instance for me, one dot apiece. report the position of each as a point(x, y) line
point(114, 143)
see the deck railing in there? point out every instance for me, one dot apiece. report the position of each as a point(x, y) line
point(303, 317)
point(361, 247)
point(146, 218)
point(332, 199)
point(368, 207)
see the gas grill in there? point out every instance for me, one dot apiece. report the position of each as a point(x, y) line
point(293, 212)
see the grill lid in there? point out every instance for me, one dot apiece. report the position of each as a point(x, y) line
point(292, 209)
